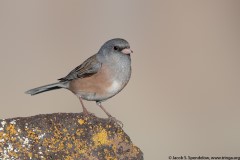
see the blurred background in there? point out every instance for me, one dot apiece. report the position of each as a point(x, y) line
point(183, 98)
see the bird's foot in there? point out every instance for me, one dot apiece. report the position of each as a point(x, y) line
point(85, 113)
point(113, 119)
point(88, 114)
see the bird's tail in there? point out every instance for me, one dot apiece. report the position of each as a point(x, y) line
point(45, 88)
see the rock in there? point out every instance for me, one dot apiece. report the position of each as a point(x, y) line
point(68, 136)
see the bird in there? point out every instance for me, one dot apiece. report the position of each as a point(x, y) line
point(98, 78)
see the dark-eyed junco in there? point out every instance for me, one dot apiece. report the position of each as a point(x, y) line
point(98, 78)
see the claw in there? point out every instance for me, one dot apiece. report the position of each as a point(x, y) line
point(113, 119)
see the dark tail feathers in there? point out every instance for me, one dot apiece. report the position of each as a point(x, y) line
point(46, 88)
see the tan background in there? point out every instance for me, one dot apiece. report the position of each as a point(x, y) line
point(184, 94)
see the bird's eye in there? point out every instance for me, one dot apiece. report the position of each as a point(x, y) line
point(115, 48)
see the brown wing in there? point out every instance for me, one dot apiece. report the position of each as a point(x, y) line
point(86, 69)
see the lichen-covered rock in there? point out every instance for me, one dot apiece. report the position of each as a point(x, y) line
point(65, 136)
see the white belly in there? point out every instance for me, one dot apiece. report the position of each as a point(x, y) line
point(115, 87)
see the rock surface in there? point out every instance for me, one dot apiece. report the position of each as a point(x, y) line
point(65, 136)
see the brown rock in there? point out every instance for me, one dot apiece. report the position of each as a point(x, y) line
point(65, 136)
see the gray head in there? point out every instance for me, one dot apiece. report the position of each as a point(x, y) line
point(116, 46)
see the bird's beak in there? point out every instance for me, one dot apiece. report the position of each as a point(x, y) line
point(127, 51)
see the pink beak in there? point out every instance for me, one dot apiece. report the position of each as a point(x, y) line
point(127, 51)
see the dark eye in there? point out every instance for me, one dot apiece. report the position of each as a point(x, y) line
point(115, 48)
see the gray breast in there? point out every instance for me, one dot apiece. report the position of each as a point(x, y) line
point(120, 66)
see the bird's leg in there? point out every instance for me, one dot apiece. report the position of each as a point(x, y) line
point(85, 112)
point(100, 105)
point(109, 115)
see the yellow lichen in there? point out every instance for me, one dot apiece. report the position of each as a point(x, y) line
point(65, 130)
point(13, 154)
point(101, 138)
point(80, 146)
point(61, 146)
point(79, 132)
point(81, 121)
point(32, 135)
point(68, 158)
point(11, 129)
point(36, 155)
point(29, 154)
point(69, 145)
